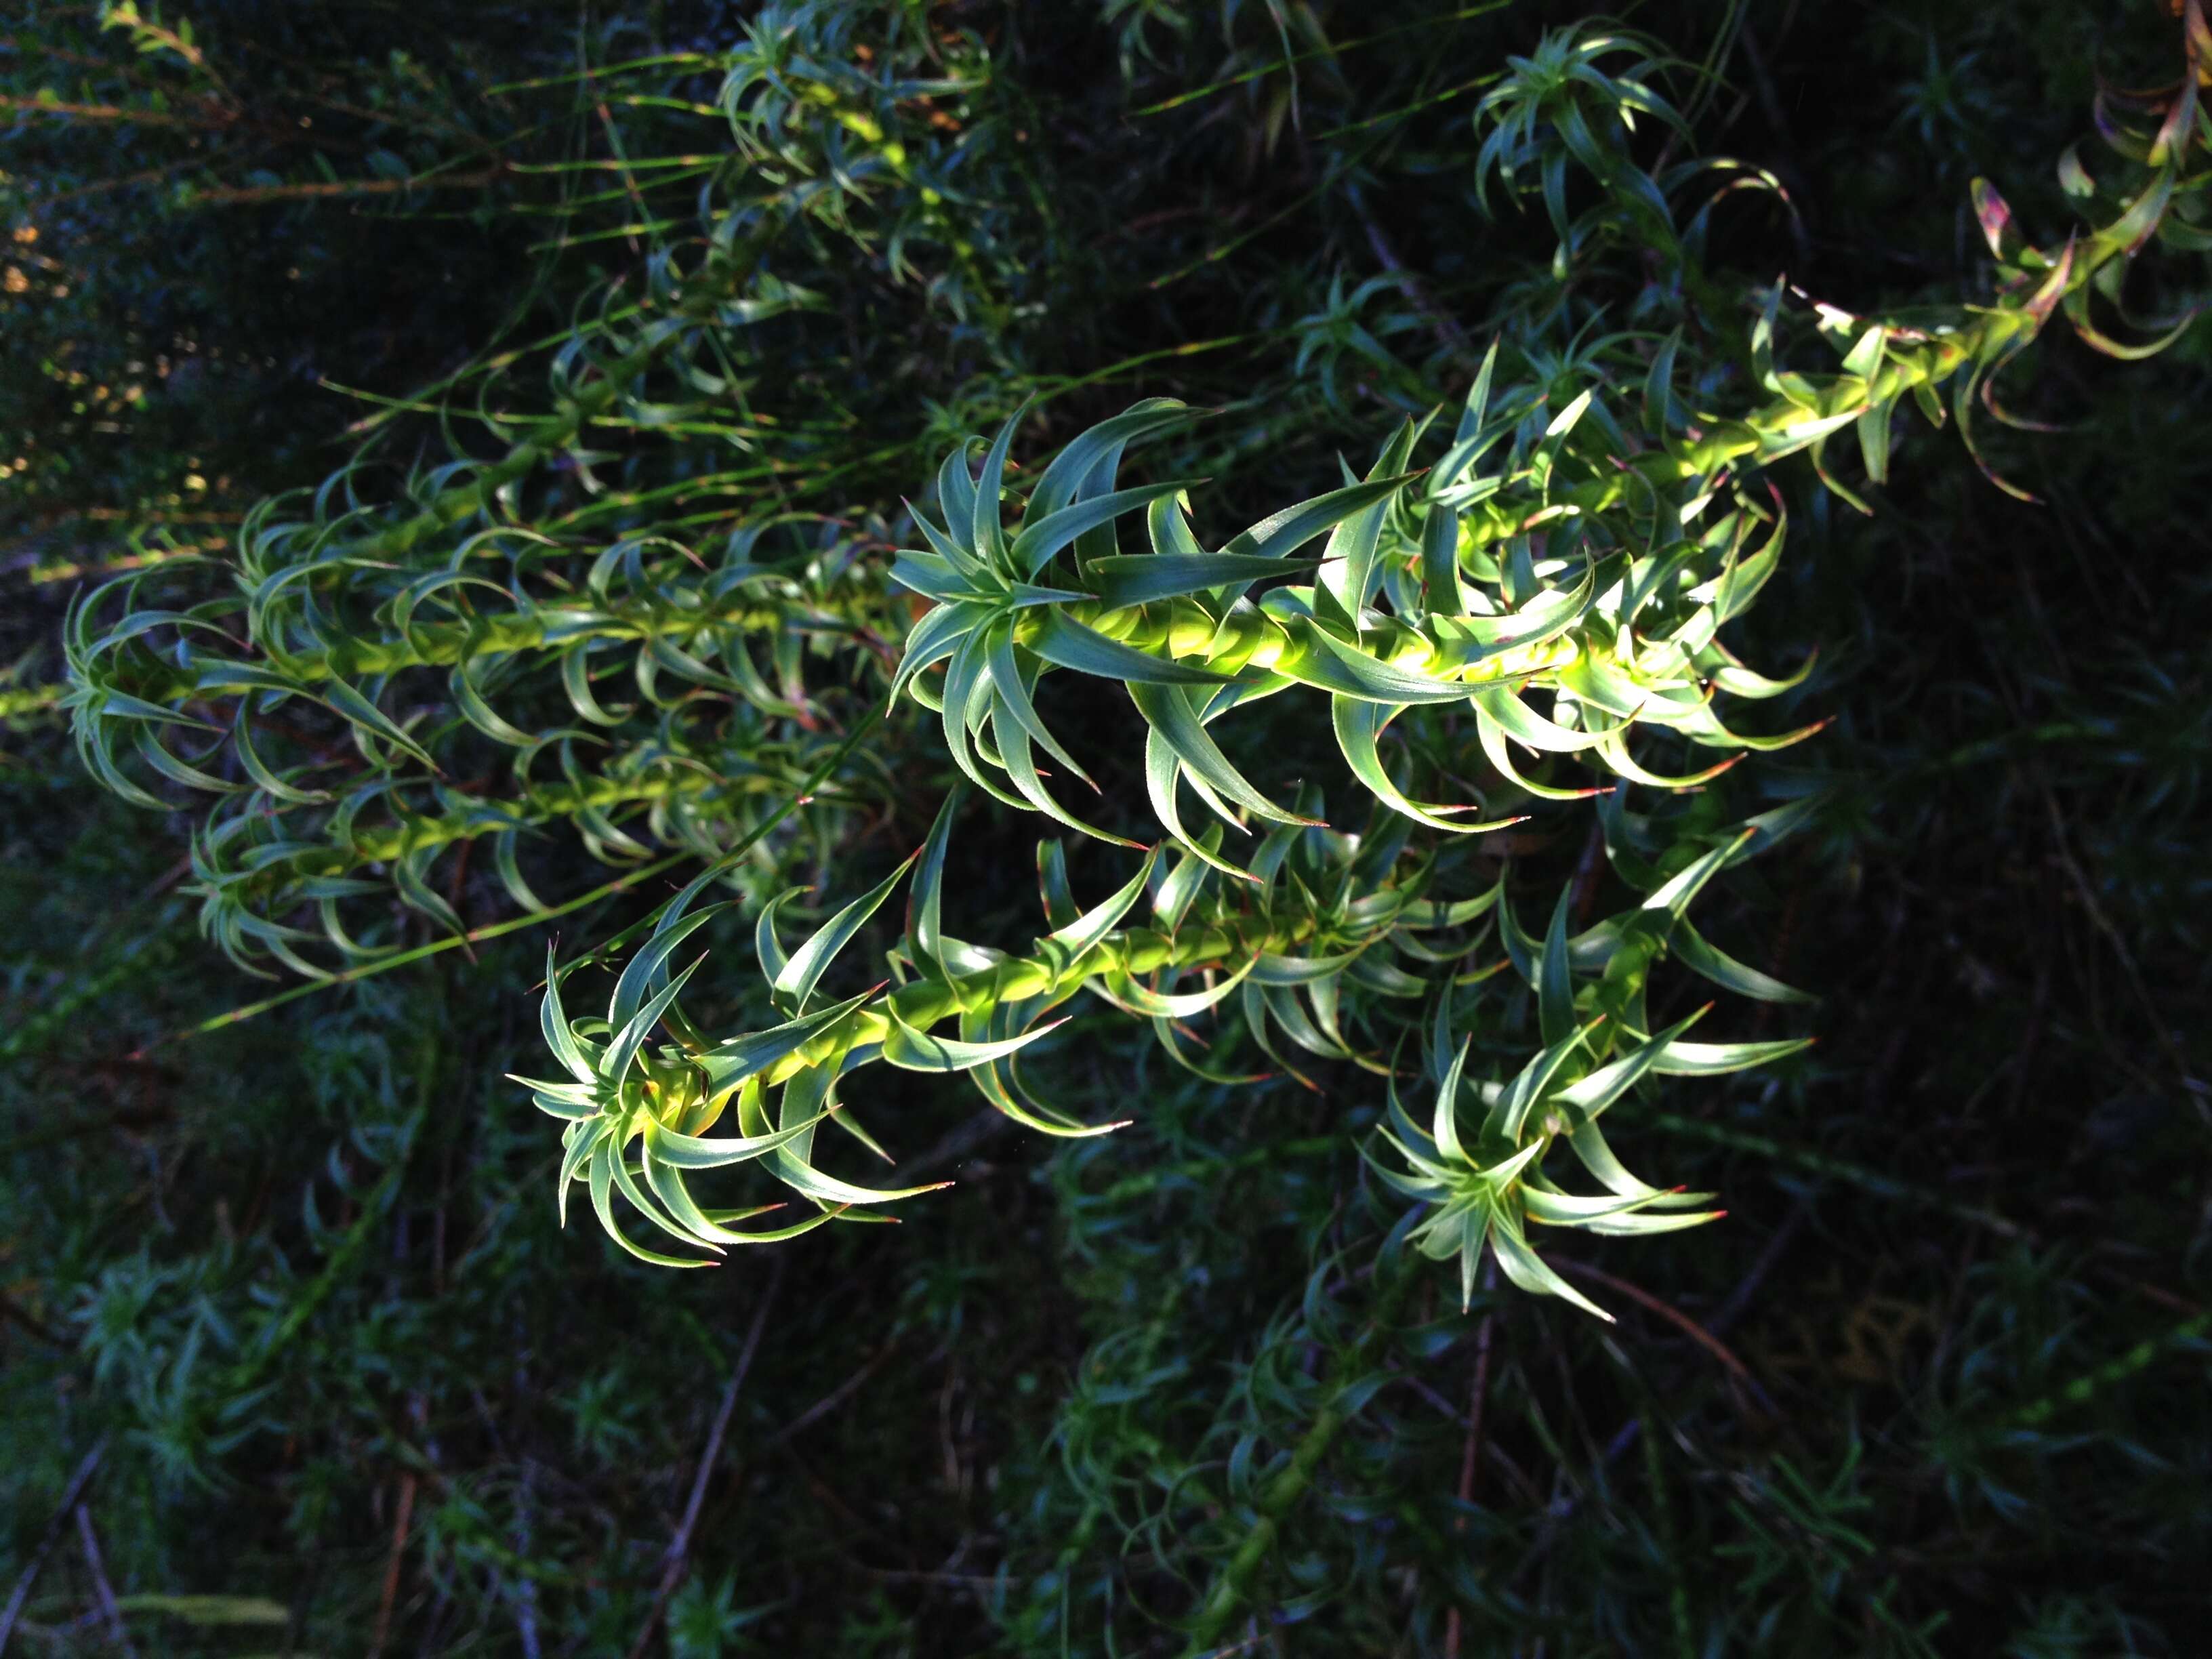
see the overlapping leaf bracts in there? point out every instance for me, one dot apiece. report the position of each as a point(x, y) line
point(1328, 948)
point(1559, 573)
point(1536, 597)
point(356, 703)
point(606, 609)
point(1555, 554)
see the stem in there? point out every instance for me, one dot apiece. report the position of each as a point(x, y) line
point(437, 644)
point(384, 964)
point(492, 815)
point(1232, 1589)
point(44, 1547)
point(1132, 951)
point(679, 1547)
point(861, 728)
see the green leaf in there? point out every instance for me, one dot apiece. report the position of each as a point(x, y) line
point(1121, 580)
point(1183, 1005)
point(1170, 713)
point(1007, 683)
point(1358, 724)
point(768, 954)
point(1530, 1272)
point(744, 1056)
point(1060, 481)
point(917, 1051)
point(1691, 949)
point(1347, 578)
point(554, 1022)
point(1717, 1059)
point(1440, 577)
point(1344, 668)
point(624, 1046)
point(645, 969)
point(1093, 924)
point(924, 931)
point(605, 1161)
point(346, 700)
point(1284, 532)
point(990, 538)
point(1043, 534)
point(796, 981)
point(1555, 991)
point(702, 1152)
point(480, 714)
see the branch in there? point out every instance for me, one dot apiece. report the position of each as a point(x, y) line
point(103, 1592)
point(249, 195)
point(679, 1547)
point(1478, 1391)
point(1227, 1597)
point(44, 1547)
point(112, 112)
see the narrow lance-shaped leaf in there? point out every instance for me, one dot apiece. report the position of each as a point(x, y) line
point(795, 983)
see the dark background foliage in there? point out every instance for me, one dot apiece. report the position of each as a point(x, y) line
point(1934, 1386)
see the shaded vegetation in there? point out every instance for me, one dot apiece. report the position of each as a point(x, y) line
point(294, 1280)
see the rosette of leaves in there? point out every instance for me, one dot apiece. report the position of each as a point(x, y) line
point(1480, 1163)
point(1571, 105)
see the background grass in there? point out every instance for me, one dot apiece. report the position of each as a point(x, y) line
point(1936, 1384)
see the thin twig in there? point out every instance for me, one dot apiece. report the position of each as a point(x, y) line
point(1478, 1391)
point(955, 1146)
point(1785, 159)
point(384, 964)
point(838, 1395)
point(1674, 1316)
point(13, 1312)
point(1738, 1303)
point(923, 1576)
point(321, 190)
point(70, 1496)
point(1450, 335)
point(2104, 925)
point(144, 117)
point(526, 1592)
point(679, 1547)
point(389, 1598)
point(103, 1592)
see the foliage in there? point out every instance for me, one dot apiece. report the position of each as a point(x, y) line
point(877, 253)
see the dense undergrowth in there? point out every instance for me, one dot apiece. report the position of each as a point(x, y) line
point(723, 287)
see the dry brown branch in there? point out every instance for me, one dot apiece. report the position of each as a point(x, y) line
point(390, 1596)
point(1674, 1316)
point(22, 106)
